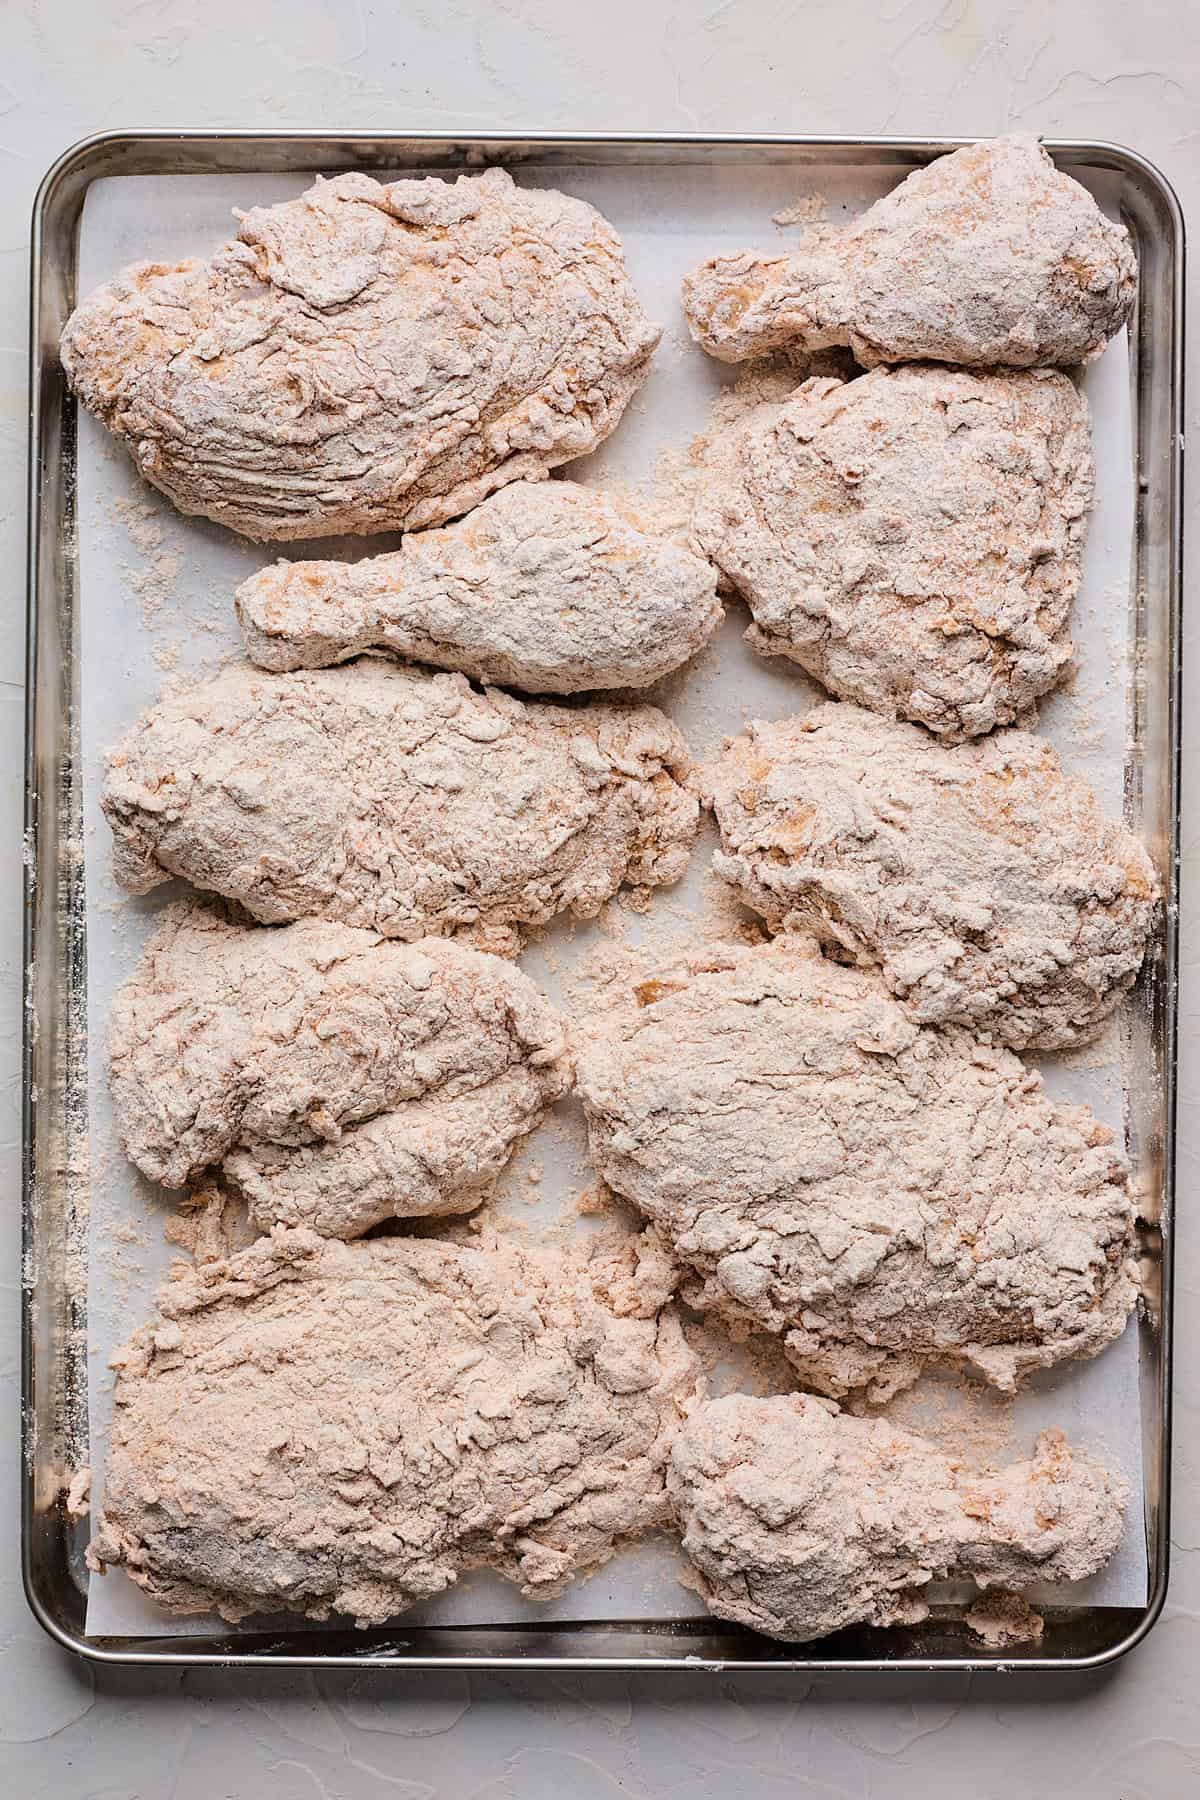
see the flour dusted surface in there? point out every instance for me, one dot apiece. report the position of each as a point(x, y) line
point(987, 256)
point(802, 1520)
point(324, 1427)
point(983, 881)
point(398, 801)
point(548, 587)
point(911, 538)
point(369, 356)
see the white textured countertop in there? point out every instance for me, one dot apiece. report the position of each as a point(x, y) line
point(1084, 68)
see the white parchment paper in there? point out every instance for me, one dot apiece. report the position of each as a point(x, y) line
point(155, 600)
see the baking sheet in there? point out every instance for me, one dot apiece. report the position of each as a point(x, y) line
point(155, 604)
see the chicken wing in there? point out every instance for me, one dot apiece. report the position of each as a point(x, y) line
point(547, 586)
point(802, 1520)
point(912, 538)
point(877, 1195)
point(398, 801)
point(368, 357)
point(984, 882)
point(989, 256)
point(320, 1427)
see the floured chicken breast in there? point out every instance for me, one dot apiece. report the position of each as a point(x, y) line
point(368, 357)
point(402, 802)
point(911, 538)
point(335, 1078)
point(879, 1196)
point(984, 882)
point(988, 256)
point(316, 1427)
point(802, 1520)
point(547, 586)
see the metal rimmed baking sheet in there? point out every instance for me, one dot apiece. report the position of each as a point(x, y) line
point(669, 175)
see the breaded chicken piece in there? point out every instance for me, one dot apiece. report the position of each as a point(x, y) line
point(878, 1196)
point(398, 801)
point(548, 587)
point(316, 1427)
point(912, 538)
point(335, 1078)
point(983, 881)
point(802, 1520)
point(368, 357)
point(431, 1158)
point(989, 257)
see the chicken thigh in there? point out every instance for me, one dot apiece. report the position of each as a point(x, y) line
point(335, 1079)
point(912, 538)
point(878, 1196)
point(984, 882)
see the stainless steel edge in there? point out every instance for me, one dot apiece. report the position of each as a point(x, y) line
point(54, 1600)
point(29, 888)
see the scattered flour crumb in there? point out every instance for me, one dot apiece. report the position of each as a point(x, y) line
point(805, 209)
point(79, 1494)
point(154, 581)
point(999, 1618)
